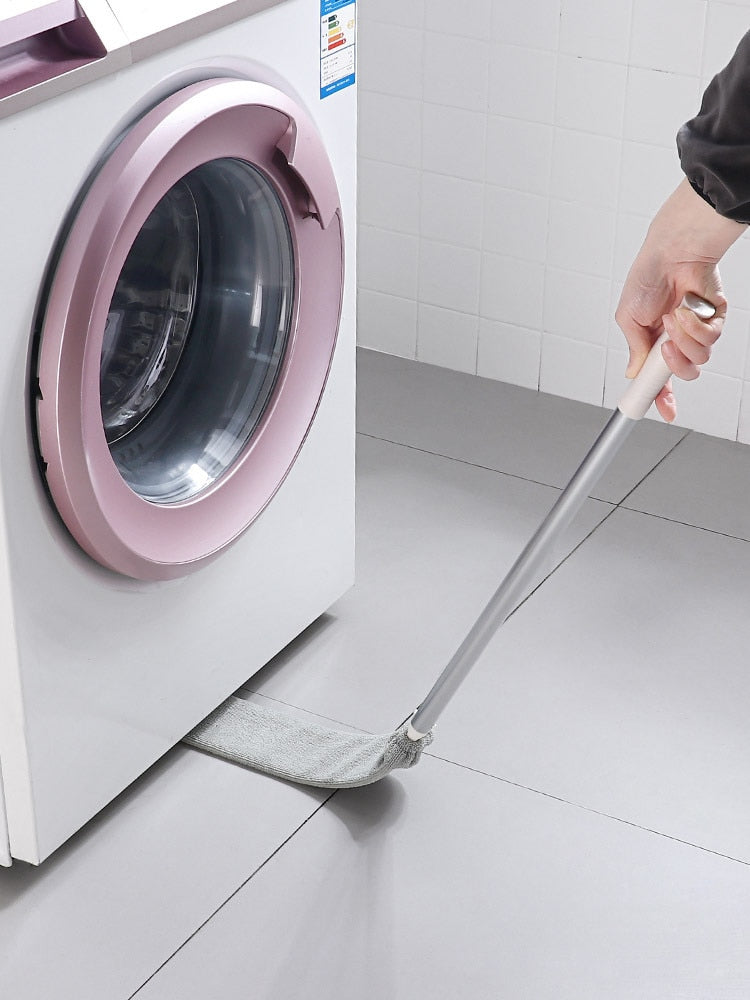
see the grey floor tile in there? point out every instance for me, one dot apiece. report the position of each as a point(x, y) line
point(705, 481)
point(450, 884)
point(623, 684)
point(97, 918)
point(498, 426)
point(435, 537)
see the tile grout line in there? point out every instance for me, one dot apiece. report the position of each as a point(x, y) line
point(588, 809)
point(614, 504)
point(232, 894)
point(653, 469)
point(565, 558)
point(474, 465)
point(687, 524)
point(663, 517)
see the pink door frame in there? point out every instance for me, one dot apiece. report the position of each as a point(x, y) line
point(208, 120)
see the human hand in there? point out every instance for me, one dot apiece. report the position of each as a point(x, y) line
point(645, 310)
point(679, 256)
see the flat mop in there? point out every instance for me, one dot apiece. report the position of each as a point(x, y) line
point(307, 753)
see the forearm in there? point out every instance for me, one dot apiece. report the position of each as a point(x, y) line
point(692, 231)
point(687, 229)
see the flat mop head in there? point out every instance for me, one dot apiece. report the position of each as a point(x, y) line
point(304, 752)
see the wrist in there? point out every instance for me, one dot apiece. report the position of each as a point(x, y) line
point(688, 230)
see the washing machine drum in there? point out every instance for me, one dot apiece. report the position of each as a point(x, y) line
point(189, 327)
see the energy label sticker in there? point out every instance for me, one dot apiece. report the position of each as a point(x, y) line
point(338, 32)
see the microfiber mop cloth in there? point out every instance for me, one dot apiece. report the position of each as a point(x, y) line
point(305, 752)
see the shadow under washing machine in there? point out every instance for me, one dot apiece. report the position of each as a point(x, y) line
point(177, 433)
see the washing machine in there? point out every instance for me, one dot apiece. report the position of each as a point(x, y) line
point(177, 387)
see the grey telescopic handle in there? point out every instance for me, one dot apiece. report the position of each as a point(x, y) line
point(654, 375)
point(526, 569)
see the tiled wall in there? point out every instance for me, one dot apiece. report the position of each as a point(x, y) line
point(512, 153)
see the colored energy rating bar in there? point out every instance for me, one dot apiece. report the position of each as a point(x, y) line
point(335, 34)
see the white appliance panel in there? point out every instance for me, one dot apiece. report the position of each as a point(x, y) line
point(99, 674)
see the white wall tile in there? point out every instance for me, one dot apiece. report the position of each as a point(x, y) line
point(452, 210)
point(576, 306)
point(572, 369)
point(528, 143)
point(390, 128)
point(532, 23)
point(649, 175)
point(390, 61)
point(453, 141)
point(388, 196)
point(449, 276)
point(444, 15)
point(744, 421)
point(447, 338)
point(509, 353)
point(522, 83)
point(725, 25)
point(392, 12)
point(515, 223)
point(734, 268)
point(710, 403)
point(387, 262)
point(519, 155)
point(581, 238)
point(668, 35)
point(512, 291)
point(656, 105)
point(585, 168)
point(456, 71)
point(729, 353)
point(387, 323)
point(596, 30)
point(590, 95)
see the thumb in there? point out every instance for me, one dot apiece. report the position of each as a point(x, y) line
point(639, 318)
point(638, 354)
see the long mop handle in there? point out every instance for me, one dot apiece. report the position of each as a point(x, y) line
point(633, 405)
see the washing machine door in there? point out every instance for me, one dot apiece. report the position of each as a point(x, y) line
point(189, 327)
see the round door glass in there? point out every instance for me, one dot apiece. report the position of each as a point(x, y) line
point(197, 331)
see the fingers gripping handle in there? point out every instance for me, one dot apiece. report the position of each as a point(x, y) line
point(647, 384)
point(655, 373)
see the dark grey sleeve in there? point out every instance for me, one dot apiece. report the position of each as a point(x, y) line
point(714, 146)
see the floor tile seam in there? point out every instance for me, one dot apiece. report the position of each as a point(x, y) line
point(232, 894)
point(614, 504)
point(685, 524)
point(653, 468)
point(588, 809)
point(607, 503)
point(566, 557)
point(473, 465)
point(622, 503)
